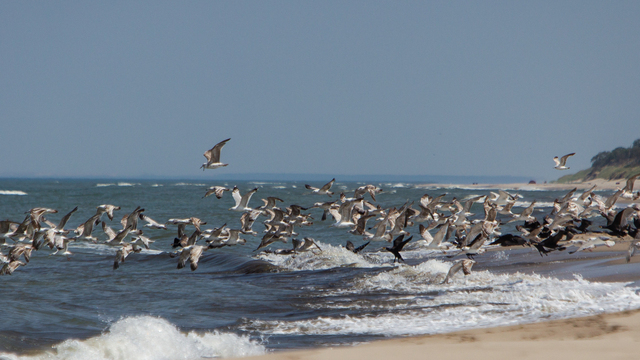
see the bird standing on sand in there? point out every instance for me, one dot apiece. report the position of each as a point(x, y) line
point(562, 162)
point(213, 156)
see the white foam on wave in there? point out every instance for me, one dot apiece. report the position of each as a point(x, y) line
point(12, 192)
point(149, 338)
point(421, 304)
point(538, 204)
point(188, 184)
point(103, 249)
point(127, 184)
point(330, 257)
point(105, 184)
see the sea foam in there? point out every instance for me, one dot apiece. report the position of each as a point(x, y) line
point(417, 302)
point(330, 257)
point(12, 192)
point(149, 338)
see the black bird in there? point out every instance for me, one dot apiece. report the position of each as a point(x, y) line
point(551, 243)
point(584, 224)
point(509, 240)
point(354, 249)
point(181, 240)
point(398, 244)
point(620, 226)
point(531, 225)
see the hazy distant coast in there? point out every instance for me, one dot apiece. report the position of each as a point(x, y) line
point(600, 183)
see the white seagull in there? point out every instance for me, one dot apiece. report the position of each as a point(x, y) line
point(108, 209)
point(216, 190)
point(627, 191)
point(464, 265)
point(562, 162)
point(323, 190)
point(242, 200)
point(152, 223)
point(213, 156)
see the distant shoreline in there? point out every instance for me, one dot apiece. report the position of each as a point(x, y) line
point(601, 184)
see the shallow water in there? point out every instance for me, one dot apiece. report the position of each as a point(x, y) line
point(239, 302)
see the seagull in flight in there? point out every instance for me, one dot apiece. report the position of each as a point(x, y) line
point(561, 164)
point(398, 244)
point(108, 209)
point(324, 189)
point(242, 200)
point(216, 190)
point(464, 265)
point(627, 191)
point(213, 156)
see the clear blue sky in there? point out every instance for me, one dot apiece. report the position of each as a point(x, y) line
point(143, 88)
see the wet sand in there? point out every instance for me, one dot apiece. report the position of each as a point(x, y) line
point(604, 336)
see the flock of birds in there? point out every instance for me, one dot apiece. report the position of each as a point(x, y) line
point(446, 226)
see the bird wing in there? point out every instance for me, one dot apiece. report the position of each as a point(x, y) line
point(426, 235)
point(352, 247)
point(452, 271)
point(246, 197)
point(466, 266)
point(108, 231)
point(65, 218)
point(563, 160)
point(213, 154)
point(327, 186)
point(236, 195)
point(631, 181)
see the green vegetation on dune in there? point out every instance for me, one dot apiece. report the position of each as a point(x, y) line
point(619, 163)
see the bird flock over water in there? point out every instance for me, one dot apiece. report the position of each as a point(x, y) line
point(445, 226)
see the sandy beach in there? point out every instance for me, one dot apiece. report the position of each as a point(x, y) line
point(606, 336)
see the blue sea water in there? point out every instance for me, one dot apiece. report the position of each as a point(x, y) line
point(241, 302)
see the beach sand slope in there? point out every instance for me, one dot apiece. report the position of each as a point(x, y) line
point(605, 336)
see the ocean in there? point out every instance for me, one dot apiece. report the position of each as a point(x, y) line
point(242, 302)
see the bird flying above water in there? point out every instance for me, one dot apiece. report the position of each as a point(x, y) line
point(213, 156)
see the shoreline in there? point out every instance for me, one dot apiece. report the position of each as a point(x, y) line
point(603, 336)
point(600, 183)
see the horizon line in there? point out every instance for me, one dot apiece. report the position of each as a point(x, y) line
point(295, 177)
